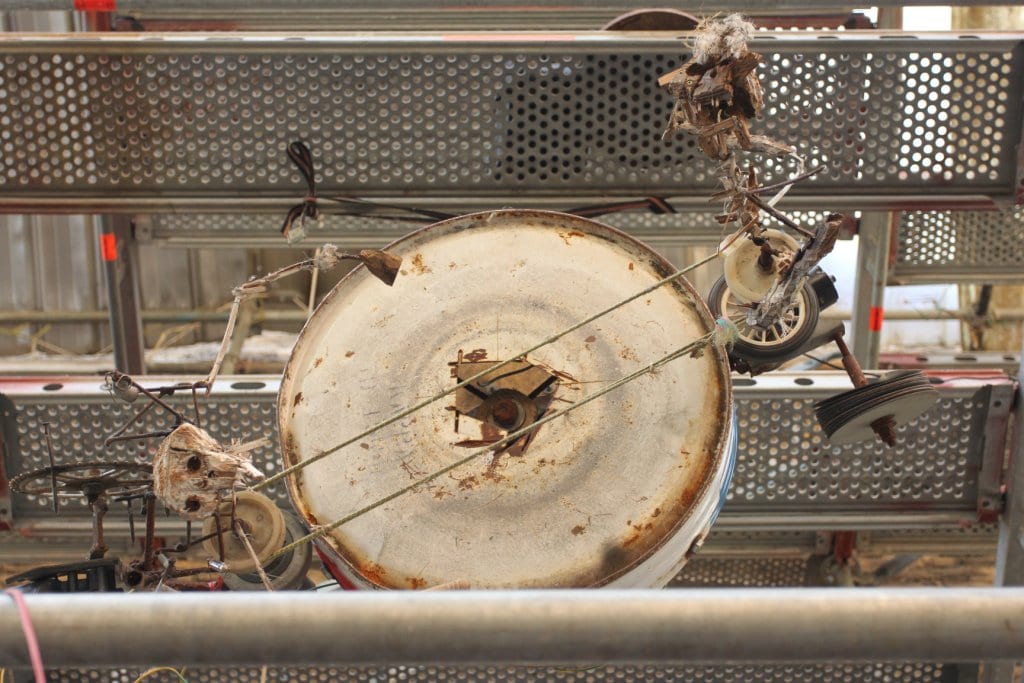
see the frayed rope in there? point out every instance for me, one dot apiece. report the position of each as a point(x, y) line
point(726, 332)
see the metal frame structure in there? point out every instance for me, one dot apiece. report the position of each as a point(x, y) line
point(125, 174)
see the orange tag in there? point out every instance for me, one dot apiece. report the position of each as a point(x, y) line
point(108, 246)
point(875, 319)
point(96, 5)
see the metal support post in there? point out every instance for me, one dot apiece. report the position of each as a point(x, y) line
point(117, 248)
point(872, 272)
point(1010, 551)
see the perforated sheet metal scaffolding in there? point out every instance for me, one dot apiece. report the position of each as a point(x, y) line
point(186, 134)
point(149, 122)
point(945, 470)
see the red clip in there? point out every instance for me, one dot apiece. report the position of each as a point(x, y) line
point(875, 319)
point(96, 5)
point(108, 246)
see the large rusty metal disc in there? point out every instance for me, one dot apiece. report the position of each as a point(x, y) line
point(615, 493)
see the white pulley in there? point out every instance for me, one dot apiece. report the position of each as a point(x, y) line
point(748, 272)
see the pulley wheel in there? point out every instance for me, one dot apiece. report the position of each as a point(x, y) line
point(615, 492)
point(847, 417)
point(286, 572)
point(749, 273)
point(263, 522)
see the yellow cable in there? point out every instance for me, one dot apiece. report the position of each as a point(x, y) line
point(146, 674)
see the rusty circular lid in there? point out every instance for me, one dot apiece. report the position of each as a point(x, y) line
point(592, 494)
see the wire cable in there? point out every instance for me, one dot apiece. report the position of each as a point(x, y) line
point(692, 348)
point(31, 642)
point(469, 380)
point(155, 670)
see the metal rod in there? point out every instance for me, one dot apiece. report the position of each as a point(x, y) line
point(452, 6)
point(10, 317)
point(581, 626)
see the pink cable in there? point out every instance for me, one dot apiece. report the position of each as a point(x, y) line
point(30, 634)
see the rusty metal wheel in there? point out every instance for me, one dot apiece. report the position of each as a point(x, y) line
point(86, 478)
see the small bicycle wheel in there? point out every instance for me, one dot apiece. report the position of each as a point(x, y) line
point(780, 339)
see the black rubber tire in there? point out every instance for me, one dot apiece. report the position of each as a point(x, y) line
point(778, 352)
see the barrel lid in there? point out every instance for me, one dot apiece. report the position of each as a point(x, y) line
point(591, 494)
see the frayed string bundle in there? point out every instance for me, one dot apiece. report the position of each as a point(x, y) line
point(726, 332)
point(718, 39)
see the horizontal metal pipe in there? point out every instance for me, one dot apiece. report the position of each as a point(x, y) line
point(582, 626)
point(101, 202)
point(151, 316)
point(178, 6)
point(9, 317)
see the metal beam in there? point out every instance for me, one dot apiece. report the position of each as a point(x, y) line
point(1010, 550)
point(704, 625)
point(874, 237)
point(127, 6)
point(118, 253)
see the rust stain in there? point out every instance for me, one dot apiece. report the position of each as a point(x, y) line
point(297, 400)
point(318, 362)
point(418, 266)
point(591, 339)
point(567, 236)
point(349, 354)
point(629, 354)
point(416, 583)
point(631, 265)
point(452, 265)
point(468, 483)
point(657, 511)
point(441, 493)
point(578, 530)
point(373, 572)
point(476, 355)
point(365, 446)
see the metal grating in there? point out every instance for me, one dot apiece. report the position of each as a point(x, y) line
point(779, 673)
point(954, 246)
point(785, 457)
point(79, 427)
point(742, 572)
point(784, 460)
point(231, 230)
point(159, 118)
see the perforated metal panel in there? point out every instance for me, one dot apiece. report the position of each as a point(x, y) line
point(786, 459)
point(948, 540)
point(749, 572)
point(784, 462)
point(232, 230)
point(152, 119)
point(952, 246)
point(798, 673)
point(79, 426)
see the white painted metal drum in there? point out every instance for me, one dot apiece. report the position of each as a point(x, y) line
point(615, 493)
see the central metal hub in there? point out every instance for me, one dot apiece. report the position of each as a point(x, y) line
point(506, 400)
point(507, 411)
